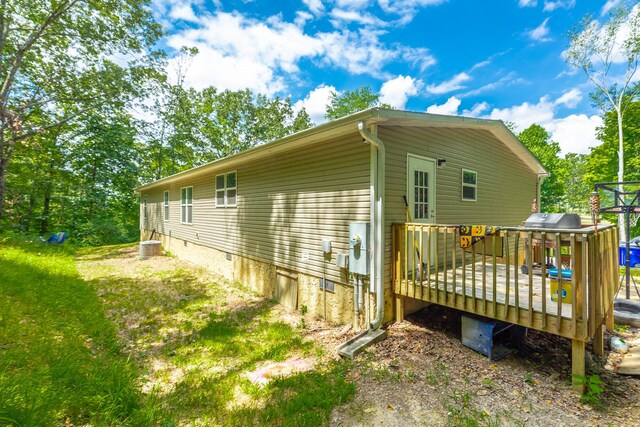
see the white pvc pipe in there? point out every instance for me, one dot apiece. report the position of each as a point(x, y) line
point(377, 185)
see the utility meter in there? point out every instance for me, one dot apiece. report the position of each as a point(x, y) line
point(359, 248)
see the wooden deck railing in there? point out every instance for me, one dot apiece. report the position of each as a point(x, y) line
point(489, 279)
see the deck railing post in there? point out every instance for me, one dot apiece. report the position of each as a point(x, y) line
point(580, 272)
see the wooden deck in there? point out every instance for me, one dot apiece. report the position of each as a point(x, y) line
point(487, 280)
point(518, 297)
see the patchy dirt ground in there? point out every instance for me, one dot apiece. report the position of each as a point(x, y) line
point(425, 376)
point(420, 375)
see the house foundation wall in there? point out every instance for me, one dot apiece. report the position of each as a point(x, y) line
point(335, 306)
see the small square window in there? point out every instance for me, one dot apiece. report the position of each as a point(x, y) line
point(226, 190)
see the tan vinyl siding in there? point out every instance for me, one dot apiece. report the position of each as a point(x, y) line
point(505, 185)
point(286, 205)
point(289, 202)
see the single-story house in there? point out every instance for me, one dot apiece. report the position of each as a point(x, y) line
point(276, 218)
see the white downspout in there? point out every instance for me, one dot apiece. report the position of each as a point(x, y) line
point(539, 189)
point(377, 173)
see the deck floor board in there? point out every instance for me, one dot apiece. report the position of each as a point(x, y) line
point(522, 285)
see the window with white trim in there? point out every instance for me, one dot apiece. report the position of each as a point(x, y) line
point(469, 185)
point(165, 211)
point(144, 207)
point(226, 190)
point(186, 205)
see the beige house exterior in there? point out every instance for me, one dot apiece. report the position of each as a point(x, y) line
point(260, 217)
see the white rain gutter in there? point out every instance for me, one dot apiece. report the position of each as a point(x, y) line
point(376, 179)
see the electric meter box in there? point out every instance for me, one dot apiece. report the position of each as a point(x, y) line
point(359, 248)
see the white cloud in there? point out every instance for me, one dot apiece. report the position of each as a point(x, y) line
point(235, 52)
point(341, 17)
point(569, 73)
point(550, 6)
point(352, 4)
point(228, 41)
point(476, 110)
point(230, 72)
point(360, 53)
point(316, 102)
point(454, 83)
point(540, 33)
point(302, 18)
point(575, 133)
point(527, 3)
point(183, 12)
point(449, 108)
point(570, 98)
point(508, 80)
point(417, 56)
point(395, 92)
point(526, 114)
point(406, 9)
point(315, 6)
point(610, 4)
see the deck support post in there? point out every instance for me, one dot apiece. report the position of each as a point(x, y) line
point(598, 341)
point(578, 364)
point(399, 308)
point(608, 319)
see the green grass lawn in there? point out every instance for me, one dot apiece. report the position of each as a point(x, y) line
point(59, 356)
point(106, 339)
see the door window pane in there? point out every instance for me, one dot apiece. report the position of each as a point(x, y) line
point(421, 195)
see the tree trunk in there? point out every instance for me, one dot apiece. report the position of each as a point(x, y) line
point(3, 171)
point(44, 225)
point(621, 224)
point(29, 216)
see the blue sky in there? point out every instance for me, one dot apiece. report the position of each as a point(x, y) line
point(498, 59)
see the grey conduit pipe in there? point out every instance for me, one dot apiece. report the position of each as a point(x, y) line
point(377, 172)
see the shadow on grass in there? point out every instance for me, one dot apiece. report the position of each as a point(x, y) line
point(202, 348)
point(59, 356)
point(107, 252)
point(237, 341)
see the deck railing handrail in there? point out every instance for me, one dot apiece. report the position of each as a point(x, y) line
point(585, 230)
point(441, 272)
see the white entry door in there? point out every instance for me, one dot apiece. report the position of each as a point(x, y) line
point(421, 189)
point(421, 198)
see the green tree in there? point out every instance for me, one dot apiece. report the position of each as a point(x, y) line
point(54, 63)
point(234, 121)
point(538, 141)
point(350, 102)
point(601, 163)
point(577, 186)
point(596, 49)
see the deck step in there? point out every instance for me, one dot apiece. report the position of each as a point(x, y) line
point(355, 345)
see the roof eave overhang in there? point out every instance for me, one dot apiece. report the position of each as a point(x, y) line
point(335, 128)
point(347, 125)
